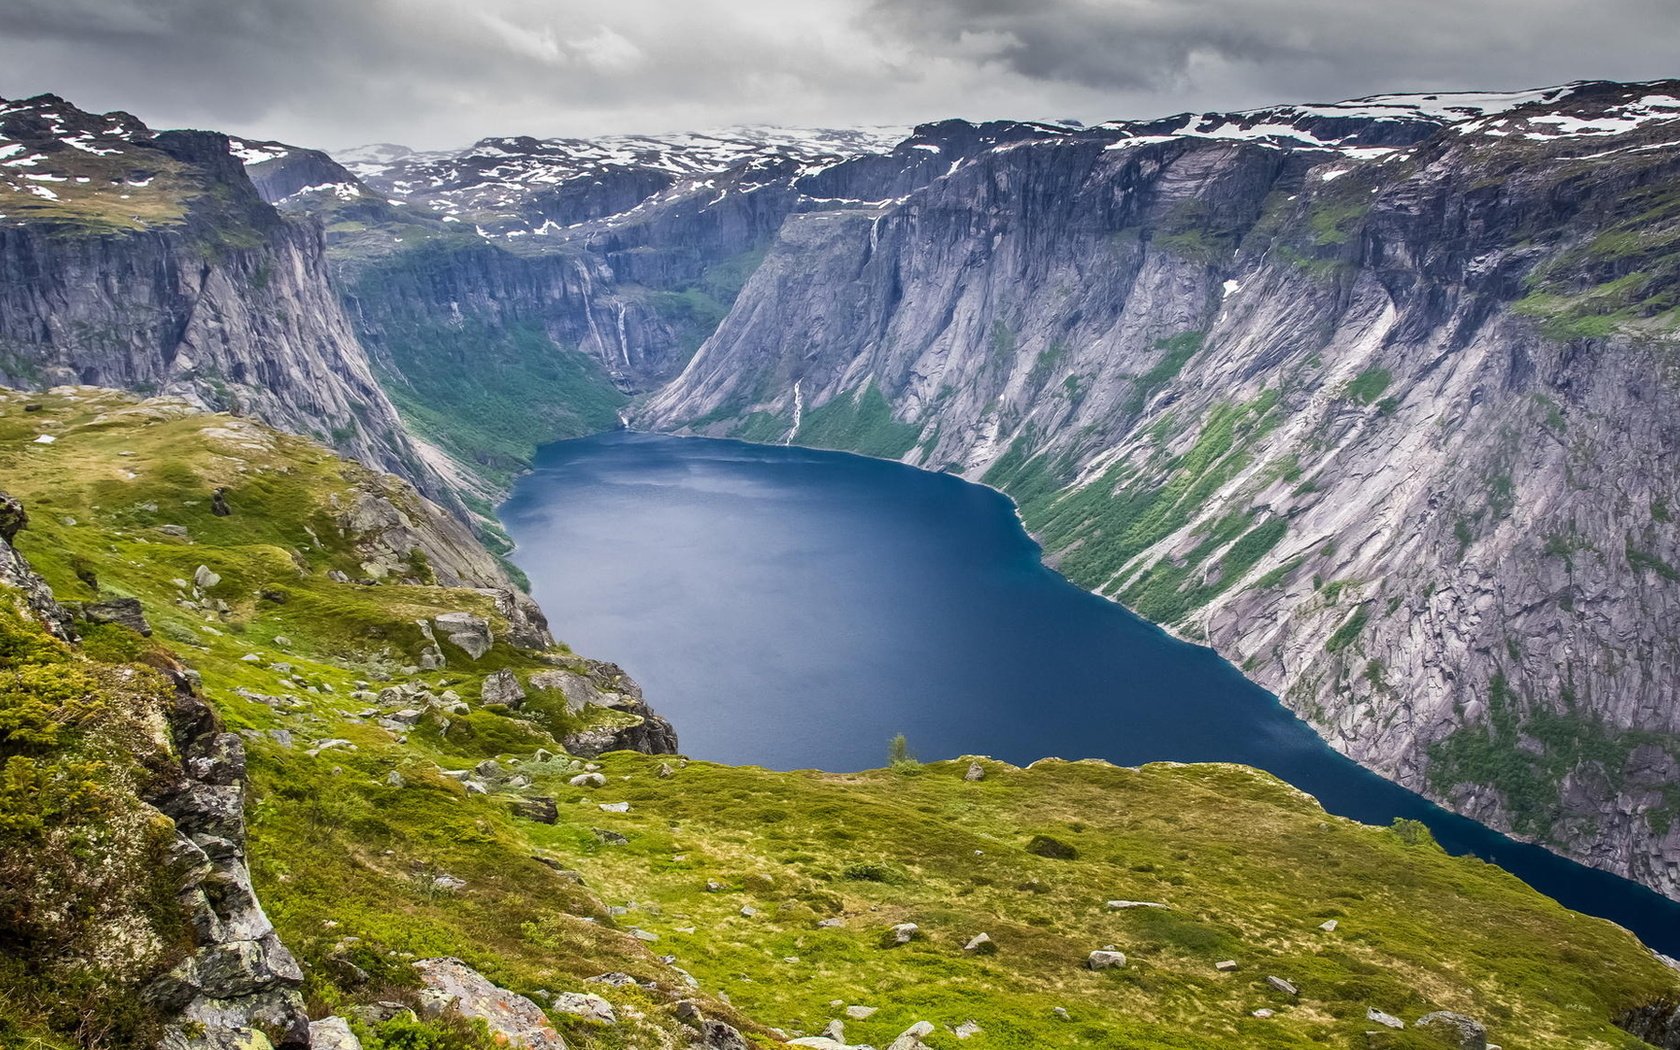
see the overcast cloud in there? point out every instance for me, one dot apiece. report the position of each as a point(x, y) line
point(433, 73)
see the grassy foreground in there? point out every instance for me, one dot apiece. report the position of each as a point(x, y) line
point(775, 891)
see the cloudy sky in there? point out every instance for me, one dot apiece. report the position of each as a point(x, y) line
point(433, 73)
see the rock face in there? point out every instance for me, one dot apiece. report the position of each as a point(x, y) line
point(1460, 1031)
point(1348, 392)
point(601, 684)
point(512, 1019)
point(212, 295)
point(240, 977)
point(16, 573)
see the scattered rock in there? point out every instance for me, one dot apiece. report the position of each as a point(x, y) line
point(1046, 846)
point(126, 612)
point(588, 780)
point(204, 579)
point(830, 924)
point(395, 779)
point(967, 1030)
point(502, 688)
point(615, 807)
point(1328, 926)
point(1061, 1013)
point(513, 1019)
point(643, 935)
point(1124, 905)
point(748, 911)
point(911, 1039)
point(178, 531)
point(1105, 959)
point(539, 808)
point(1386, 1020)
point(665, 771)
point(975, 772)
point(466, 631)
point(332, 1033)
point(1225, 965)
point(1281, 985)
point(981, 944)
point(1262, 1012)
point(586, 1006)
point(905, 932)
point(219, 504)
point(1466, 1033)
point(861, 1013)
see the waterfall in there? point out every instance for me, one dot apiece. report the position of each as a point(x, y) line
point(623, 341)
point(798, 413)
point(589, 312)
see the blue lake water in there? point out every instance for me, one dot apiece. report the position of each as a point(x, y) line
point(794, 609)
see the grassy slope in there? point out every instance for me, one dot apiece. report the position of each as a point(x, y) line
point(1249, 867)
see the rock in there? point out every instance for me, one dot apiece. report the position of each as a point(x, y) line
point(830, 924)
point(380, 1012)
point(967, 1030)
point(1262, 1012)
point(1061, 1013)
point(588, 780)
point(124, 611)
point(219, 504)
point(643, 935)
point(431, 658)
point(586, 1006)
point(716, 1035)
point(489, 769)
point(468, 632)
point(1460, 1031)
point(1281, 985)
point(975, 772)
point(337, 576)
point(332, 1033)
point(1105, 959)
point(512, 1019)
point(395, 779)
point(1328, 926)
point(502, 688)
point(1225, 965)
point(1046, 846)
point(538, 808)
point(748, 911)
point(615, 807)
point(1124, 905)
point(610, 838)
point(905, 932)
point(911, 1039)
point(861, 1013)
point(204, 578)
point(981, 944)
point(1386, 1020)
point(178, 531)
point(665, 771)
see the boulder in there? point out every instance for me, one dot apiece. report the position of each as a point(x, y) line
point(967, 1030)
point(219, 504)
point(502, 688)
point(1281, 985)
point(124, 611)
point(1105, 959)
point(586, 1006)
point(467, 632)
point(911, 1038)
point(512, 1019)
point(905, 932)
point(332, 1033)
point(861, 1013)
point(588, 780)
point(981, 944)
point(1386, 1020)
point(538, 808)
point(1225, 965)
point(1466, 1033)
point(204, 578)
point(975, 772)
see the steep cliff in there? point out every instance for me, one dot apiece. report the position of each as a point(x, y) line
point(1375, 398)
point(147, 261)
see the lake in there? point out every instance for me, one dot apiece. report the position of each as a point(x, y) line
point(792, 608)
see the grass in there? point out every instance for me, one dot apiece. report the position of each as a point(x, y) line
point(858, 422)
point(346, 860)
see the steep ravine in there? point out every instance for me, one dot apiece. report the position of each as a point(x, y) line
point(1395, 433)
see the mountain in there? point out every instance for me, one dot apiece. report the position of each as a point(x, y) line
point(295, 775)
point(1374, 398)
point(146, 260)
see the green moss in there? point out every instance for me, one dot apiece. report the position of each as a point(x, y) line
point(1368, 385)
point(1346, 634)
point(1177, 351)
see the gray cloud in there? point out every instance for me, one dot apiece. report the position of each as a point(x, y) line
point(441, 72)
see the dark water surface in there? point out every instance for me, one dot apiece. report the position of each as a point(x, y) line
point(792, 608)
